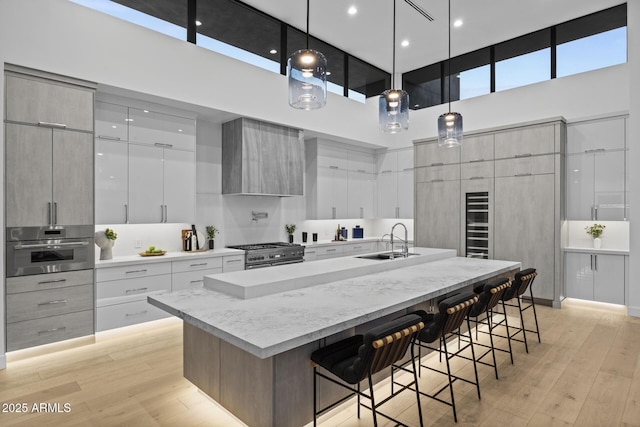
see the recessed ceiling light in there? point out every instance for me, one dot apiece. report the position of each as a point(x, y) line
point(179, 130)
point(146, 111)
point(404, 43)
point(352, 10)
point(457, 23)
point(198, 23)
point(273, 51)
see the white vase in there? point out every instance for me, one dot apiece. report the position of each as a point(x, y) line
point(597, 242)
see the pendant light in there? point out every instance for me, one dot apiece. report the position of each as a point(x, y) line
point(393, 111)
point(450, 124)
point(307, 71)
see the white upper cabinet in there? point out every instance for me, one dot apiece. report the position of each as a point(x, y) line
point(179, 186)
point(111, 121)
point(395, 184)
point(112, 180)
point(602, 134)
point(169, 131)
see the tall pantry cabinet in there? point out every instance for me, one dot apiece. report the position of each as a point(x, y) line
point(519, 170)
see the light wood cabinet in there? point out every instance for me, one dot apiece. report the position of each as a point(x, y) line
point(527, 141)
point(595, 277)
point(49, 176)
point(438, 215)
point(261, 158)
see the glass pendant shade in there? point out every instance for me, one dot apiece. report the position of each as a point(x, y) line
point(307, 71)
point(450, 130)
point(394, 111)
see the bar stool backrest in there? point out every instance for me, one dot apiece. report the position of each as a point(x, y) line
point(386, 344)
point(451, 313)
point(522, 280)
point(490, 297)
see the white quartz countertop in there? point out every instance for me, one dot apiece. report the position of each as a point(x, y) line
point(603, 251)
point(272, 324)
point(267, 281)
point(169, 256)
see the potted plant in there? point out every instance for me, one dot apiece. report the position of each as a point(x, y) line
point(291, 228)
point(211, 234)
point(105, 241)
point(595, 231)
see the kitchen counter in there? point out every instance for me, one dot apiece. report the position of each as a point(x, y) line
point(169, 256)
point(267, 281)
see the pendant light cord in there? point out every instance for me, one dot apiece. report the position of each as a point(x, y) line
point(393, 66)
point(308, 25)
point(449, 62)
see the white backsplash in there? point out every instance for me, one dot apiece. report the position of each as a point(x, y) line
point(164, 236)
point(615, 235)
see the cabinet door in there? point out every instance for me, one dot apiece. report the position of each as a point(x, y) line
point(111, 121)
point(30, 100)
point(360, 190)
point(29, 171)
point(387, 194)
point(477, 148)
point(179, 186)
point(609, 281)
point(146, 176)
point(274, 159)
point(525, 227)
point(578, 275)
point(526, 141)
point(580, 185)
point(405, 193)
point(600, 134)
point(609, 185)
point(360, 162)
point(387, 162)
point(150, 127)
point(430, 154)
point(437, 221)
point(111, 182)
point(73, 178)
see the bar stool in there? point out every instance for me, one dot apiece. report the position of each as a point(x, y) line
point(356, 358)
point(489, 295)
point(444, 324)
point(522, 280)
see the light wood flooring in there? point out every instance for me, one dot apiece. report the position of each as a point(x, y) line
point(586, 372)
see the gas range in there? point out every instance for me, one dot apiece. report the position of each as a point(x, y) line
point(269, 254)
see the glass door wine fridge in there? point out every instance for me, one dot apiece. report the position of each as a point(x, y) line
point(477, 222)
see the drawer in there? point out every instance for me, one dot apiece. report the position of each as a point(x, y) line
point(330, 251)
point(132, 289)
point(476, 170)
point(310, 254)
point(233, 263)
point(39, 304)
point(535, 165)
point(40, 282)
point(129, 271)
point(196, 264)
point(31, 333)
point(126, 314)
point(360, 248)
point(438, 173)
point(191, 279)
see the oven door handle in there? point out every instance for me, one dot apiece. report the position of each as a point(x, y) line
point(50, 245)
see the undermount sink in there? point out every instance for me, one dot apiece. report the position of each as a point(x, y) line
point(386, 255)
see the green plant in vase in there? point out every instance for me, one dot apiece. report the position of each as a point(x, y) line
point(595, 231)
point(211, 234)
point(291, 228)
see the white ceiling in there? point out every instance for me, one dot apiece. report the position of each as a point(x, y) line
point(368, 34)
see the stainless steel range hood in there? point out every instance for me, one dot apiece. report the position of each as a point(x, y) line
point(261, 158)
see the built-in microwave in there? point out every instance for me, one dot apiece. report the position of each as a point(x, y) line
point(41, 250)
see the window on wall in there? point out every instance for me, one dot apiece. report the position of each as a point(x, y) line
point(524, 60)
point(595, 41)
point(583, 44)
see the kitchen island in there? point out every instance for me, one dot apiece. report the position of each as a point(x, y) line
point(252, 355)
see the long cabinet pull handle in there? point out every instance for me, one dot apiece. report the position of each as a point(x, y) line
point(331, 250)
point(595, 262)
point(161, 213)
point(333, 212)
point(58, 301)
point(522, 174)
point(138, 313)
point(198, 265)
point(126, 213)
point(55, 213)
point(50, 212)
point(361, 212)
point(591, 258)
point(407, 169)
point(52, 281)
point(233, 260)
point(61, 328)
point(386, 171)
point(477, 177)
point(197, 281)
point(437, 180)
point(136, 271)
point(476, 160)
point(52, 125)
point(135, 290)
point(362, 171)
point(437, 164)
point(166, 215)
point(110, 138)
point(596, 150)
point(517, 156)
point(50, 245)
point(159, 144)
point(595, 210)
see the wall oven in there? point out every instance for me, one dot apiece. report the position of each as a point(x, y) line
point(41, 250)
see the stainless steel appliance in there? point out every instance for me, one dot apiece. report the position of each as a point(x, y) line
point(39, 250)
point(477, 215)
point(269, 254)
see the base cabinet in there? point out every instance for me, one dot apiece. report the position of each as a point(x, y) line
point(595, 277)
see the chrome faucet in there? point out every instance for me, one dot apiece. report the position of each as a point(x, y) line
point(382, 240)
point(405, 246)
